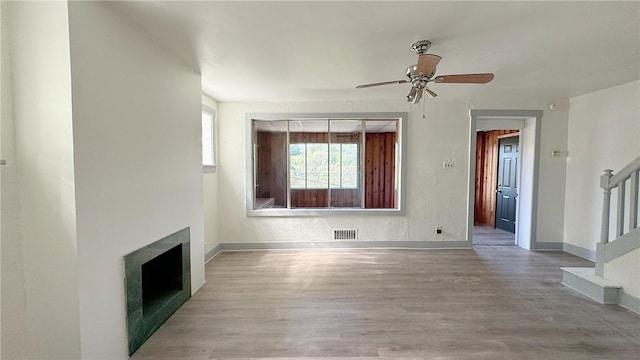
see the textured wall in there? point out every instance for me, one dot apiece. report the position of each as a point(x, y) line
point(13, 301)
point(604, 133)
point(442, 135)
point(435, 197)
point(44, 155)
point(137, 135)
point(625, 270)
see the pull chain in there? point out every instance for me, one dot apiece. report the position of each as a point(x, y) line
point(423, 109)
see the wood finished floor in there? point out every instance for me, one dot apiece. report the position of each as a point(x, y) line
point(487, 235)
point(488, 303)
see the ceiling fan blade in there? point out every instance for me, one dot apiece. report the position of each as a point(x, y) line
point(382, 83)
point(427, 64)
point(464, 78)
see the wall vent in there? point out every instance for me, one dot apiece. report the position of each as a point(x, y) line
point(345, 234)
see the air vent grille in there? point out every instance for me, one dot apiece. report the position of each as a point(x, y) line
point(345, 234)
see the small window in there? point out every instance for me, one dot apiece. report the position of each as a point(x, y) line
point(321, 164)
point(208, 137)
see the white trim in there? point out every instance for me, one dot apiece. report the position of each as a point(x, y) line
point(629, 302)
point(548, 246)
point(309, 245)
point(579, 251)
point(212, 253)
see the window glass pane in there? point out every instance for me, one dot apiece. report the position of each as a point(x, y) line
point(317, 166)
point(349, 173)
point(345, 168)
point(297, 166)
point(207, 138)
point(270, 156)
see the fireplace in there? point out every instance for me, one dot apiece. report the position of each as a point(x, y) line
point(158, 282)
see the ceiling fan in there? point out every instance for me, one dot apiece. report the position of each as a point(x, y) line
point(422, 73)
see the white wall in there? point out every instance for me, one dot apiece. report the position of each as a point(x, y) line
point(13, 328)
point(435, 197)
point(137, 134)
point(44, 157)
point(210, 185)
point(604, 133)
point(625, 270)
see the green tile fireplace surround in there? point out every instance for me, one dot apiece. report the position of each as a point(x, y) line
point(157, 283)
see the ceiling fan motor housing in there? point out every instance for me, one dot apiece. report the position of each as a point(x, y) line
point(421, 47)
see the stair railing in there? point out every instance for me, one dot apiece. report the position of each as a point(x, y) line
point(608, 181)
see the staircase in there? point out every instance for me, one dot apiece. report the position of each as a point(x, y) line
point(614, 243)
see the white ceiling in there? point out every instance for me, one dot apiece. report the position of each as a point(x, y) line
point(293, 51)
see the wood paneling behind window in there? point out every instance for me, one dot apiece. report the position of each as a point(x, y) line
point(380, 169)
point(272, 167)
point(306, 198)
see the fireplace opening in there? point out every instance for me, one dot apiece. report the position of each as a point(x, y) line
point(161, 280)
point(157, 283)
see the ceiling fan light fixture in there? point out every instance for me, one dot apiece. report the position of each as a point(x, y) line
point(418, 96)
point(430, 94)
point(413, 93)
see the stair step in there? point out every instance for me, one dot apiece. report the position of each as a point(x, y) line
point(586, 282)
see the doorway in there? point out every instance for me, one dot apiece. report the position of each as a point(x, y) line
point(496, 177)
point(528, 124)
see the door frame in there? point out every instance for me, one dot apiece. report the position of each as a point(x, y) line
point(527, 210)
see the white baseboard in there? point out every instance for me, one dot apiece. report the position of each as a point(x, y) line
point(629, 302)
point(579, 251)
point(548, 246)
point(212, 253)
point(417, 245)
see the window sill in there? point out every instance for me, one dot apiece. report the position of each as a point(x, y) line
point(281, 212)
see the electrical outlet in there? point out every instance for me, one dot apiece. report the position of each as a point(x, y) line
point(438, 229)
point(448, 164)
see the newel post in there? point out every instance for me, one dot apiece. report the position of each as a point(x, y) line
point(606, 205)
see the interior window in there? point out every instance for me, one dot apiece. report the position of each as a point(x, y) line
point(329, 164)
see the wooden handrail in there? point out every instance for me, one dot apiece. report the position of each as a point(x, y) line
point(623, 174)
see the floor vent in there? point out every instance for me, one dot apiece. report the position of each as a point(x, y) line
point(345, 234)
